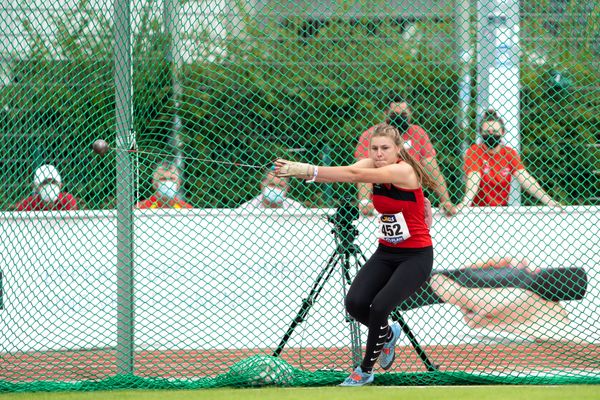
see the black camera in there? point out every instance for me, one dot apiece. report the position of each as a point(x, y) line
point(346, 213)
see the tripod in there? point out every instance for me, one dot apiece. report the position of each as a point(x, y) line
point(345, 234)
point(346, 255)
point(414, 342)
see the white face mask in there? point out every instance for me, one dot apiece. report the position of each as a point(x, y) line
point(49, 192)
point(274, 194)
point(168, 189)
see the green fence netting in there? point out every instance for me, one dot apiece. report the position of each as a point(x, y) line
point(176, 260)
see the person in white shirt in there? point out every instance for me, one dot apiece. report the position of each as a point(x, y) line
point(273, 194)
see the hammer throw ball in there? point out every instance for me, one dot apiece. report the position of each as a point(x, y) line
point(100, 147)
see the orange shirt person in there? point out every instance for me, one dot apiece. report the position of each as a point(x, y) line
point(167, 183)
point(490, 166)
point(496, 169)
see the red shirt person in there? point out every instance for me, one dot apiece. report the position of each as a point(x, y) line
point(496, 170)
point(47, 194)
point(167, 183)
point(490, 166)
point(418, 144)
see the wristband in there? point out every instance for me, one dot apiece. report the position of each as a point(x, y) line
point(365, 202)
point(315, 173)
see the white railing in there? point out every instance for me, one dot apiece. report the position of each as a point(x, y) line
point(198, 273)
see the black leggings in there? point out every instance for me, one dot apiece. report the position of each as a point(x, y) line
point(388, 278)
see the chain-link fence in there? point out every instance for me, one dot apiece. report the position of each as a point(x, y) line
point(173, 257)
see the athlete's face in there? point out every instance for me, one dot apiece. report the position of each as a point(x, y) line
point(383, 151)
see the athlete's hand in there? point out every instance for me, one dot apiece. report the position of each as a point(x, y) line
point(285, 168)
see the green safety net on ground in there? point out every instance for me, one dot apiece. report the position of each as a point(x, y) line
point(156, 260)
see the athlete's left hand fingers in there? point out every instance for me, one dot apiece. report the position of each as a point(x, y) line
point(282, 167)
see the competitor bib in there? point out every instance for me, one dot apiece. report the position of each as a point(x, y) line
point(393, 228)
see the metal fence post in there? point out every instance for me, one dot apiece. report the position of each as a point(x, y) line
point(124, 185)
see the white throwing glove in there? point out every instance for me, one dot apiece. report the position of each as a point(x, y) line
point(289, 168)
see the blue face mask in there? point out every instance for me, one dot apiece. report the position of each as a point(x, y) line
point(168, 189)
point(273, 195)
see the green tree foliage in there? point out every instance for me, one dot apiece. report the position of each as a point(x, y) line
point(289, 89)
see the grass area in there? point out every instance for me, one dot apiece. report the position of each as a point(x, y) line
point(579, 392)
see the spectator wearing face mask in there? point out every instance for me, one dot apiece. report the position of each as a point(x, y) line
point(489, 168)
point(417, 142)
point(167, 184)
point(47, 195)
point(273, 194)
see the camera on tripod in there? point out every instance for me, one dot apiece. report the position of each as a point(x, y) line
point(346, 213)
point(348, 257)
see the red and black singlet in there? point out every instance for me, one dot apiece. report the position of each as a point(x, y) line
point(402, 216)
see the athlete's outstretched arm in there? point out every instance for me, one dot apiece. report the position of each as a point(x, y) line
point(401, 174)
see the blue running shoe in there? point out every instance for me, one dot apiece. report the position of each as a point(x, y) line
point(358, 378)
point(388, 353)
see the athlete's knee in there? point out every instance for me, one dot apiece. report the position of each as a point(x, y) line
point(380, 310)
point(357, 308)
